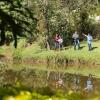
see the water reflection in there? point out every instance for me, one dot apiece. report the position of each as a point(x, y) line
point(76, 82)
point(33, 78)
point(89, 83)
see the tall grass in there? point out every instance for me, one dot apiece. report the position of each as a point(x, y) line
point(35, 52)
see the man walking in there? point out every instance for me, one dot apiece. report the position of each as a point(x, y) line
point(76, 40)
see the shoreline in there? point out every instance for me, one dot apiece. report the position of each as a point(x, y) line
point(83, 70)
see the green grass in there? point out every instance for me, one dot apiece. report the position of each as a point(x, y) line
point(34, 51)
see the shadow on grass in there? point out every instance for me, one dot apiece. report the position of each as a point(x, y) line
point(82, 47)
point(94, 48)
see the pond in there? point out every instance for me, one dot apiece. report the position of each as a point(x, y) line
point(47, 81)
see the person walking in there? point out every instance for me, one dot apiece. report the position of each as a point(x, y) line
point(89, 41)
point(75, 37)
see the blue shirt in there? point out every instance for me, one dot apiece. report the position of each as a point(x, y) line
point(89, 39)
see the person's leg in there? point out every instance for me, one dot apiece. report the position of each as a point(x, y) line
point(56, 45)
point(75, 44)
point(59, 46)
point(89, 46)
point(78, 43)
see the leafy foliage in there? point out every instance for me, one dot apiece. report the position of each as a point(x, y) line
point(16, 17)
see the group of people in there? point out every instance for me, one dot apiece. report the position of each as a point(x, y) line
point(59, 41)
point(77, 43)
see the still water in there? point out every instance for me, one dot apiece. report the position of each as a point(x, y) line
point(35, 77)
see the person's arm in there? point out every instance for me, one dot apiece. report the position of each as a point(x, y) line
point(84, 35)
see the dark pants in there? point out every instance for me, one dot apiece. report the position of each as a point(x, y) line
point(76, 44)
point(56, 45)
point(60, 46)
point(90, 46)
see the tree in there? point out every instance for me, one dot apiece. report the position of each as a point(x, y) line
point(16, 17)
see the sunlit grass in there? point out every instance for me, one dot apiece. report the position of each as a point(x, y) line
point(34, 51)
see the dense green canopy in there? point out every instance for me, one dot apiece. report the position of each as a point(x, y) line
point(16, 17)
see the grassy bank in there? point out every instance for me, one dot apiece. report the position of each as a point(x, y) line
point(68, 56)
